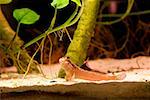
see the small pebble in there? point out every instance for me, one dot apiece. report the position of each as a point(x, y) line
point(52, 81)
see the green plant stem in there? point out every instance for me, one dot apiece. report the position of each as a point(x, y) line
point(53, 20)
point(130, 5)
point(68, 34)
point(73, 15)
point(18, 62)
point(28, 67)
point(50, 28)
point(57, 28)
point(50, 49)
point(77, 17)
point(78, 47)
point(130, 14)
point(42, 47)
point(16, 34)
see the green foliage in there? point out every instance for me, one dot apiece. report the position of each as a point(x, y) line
point(77, 2)
point(5, 1)
point(25, 16)
point(71, 20)
point(59, 4)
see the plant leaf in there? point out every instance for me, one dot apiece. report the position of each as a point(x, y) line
point(77, 2)
point(5, 1)
point(60, 3)
point(25, 16)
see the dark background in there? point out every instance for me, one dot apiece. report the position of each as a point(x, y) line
point(107, 37)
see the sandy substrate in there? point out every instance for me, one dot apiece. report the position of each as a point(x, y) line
point(13, 80)
point(135, 85)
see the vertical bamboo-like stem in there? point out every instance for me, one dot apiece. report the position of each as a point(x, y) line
point(77, 50)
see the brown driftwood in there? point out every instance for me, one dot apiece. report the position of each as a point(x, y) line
point(6, 35)
point(6, 32)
